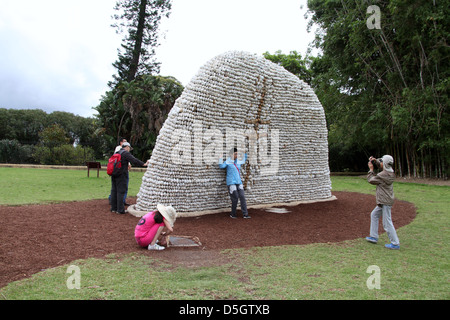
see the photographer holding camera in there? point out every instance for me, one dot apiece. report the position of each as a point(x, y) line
point(385, 199)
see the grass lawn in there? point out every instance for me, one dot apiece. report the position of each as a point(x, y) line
point(31, 186)
point(419, 270)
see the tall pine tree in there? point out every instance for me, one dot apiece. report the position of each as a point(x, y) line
point(140, 19)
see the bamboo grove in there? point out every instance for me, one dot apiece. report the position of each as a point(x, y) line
point(384, 88)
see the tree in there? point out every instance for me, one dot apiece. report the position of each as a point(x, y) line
point(292, 62)
point(11, 151)
point(137, 110)
point(141, 18)
point(53, 136)
point(385, 90)
point(139, 101)
point(22, 125)
point(55, 148)
point(26, 125)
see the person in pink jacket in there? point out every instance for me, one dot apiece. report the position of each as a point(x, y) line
point(154, 227)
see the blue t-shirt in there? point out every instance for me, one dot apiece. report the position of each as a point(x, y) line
point(233, 170)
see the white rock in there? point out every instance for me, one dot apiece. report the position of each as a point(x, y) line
point(228, 94)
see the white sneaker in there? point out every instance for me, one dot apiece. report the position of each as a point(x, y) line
point(155, 247)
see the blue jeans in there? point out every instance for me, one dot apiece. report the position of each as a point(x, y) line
point(385, 212)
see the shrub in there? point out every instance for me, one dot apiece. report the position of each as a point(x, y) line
point(11, 151)
point(63, 155)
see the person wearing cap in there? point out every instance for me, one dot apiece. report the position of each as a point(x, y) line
point(384, 181)
point(118, 148)
point(154, 227)
point(119, 182)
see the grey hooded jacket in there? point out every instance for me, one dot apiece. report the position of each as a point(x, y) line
point(385, 186)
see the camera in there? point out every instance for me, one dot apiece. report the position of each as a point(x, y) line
point(374, 162)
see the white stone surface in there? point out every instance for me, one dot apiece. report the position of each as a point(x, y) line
point(279, 120)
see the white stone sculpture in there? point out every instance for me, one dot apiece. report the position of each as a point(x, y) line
point(239, 100)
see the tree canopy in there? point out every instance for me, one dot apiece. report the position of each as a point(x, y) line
point(384, 86)
point(34, 136)
point(139, 100)
point(137, 110)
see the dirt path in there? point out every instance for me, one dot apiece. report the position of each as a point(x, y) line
point(37, 237)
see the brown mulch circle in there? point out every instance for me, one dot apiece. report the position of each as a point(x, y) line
point(38, 237)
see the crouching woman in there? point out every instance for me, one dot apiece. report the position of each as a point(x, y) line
point(153, 228)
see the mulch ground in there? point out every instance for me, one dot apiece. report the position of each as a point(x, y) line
point(38, 237)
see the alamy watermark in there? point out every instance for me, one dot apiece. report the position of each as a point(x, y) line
point(207, 145)
point(74, 280)
point(374, 281)
point(374, 20)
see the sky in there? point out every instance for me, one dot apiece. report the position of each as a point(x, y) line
point(57, 55)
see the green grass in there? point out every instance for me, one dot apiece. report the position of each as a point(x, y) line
point(128, 277)
point(30, 186)
point(419, 270)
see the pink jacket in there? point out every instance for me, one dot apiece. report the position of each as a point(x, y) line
point(145, 224)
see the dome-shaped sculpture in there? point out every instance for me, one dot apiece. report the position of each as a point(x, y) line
point(245, 101)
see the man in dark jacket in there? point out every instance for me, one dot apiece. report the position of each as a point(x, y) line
point(119, 182)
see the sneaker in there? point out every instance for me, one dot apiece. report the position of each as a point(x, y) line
point(392, 246)
point(372, 239)
point(233, 217)
point(247, 217)
point(155, 247)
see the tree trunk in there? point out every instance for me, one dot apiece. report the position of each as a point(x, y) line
point(407, 162)
point(399, 161)
point(138, 43)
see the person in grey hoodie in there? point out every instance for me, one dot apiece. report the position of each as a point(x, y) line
point(384, 181)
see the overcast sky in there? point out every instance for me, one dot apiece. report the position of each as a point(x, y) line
point(57, 55)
